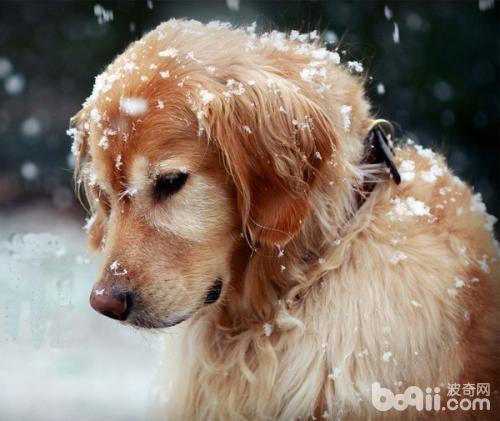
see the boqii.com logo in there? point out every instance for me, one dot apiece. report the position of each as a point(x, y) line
point(464, 397)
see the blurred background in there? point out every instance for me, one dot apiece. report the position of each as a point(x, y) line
point(439, 83)
point(433, 70)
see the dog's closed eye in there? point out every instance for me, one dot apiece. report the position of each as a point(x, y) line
point(168, 184)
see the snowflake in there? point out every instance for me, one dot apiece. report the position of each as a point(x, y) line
point(345, 110)
point(206, 96)
point(114, 267)
point(268, 329)
point(335, 373)
point(395, 34)
point(118, 161)
point(169, 52)
point(355, 66)
point(397, 257)
point(133, 106)
point(407, 170)
point(104, 143)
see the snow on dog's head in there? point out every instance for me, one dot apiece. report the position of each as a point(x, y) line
point(249, 128)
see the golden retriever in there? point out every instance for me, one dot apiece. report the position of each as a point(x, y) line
point(229, 186)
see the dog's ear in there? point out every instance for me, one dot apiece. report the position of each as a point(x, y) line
point(275, 142)
point(84, 179)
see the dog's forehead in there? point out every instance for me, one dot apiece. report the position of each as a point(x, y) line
point(140, 105)
point(132, 154)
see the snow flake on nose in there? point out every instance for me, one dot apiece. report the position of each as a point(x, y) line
point(99, 291)
point(115, 269)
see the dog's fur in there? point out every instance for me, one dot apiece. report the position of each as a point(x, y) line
point(319, 299)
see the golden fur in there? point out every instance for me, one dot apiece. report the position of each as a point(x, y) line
point(319, 300)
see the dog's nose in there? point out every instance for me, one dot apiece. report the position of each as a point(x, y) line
point(110, 303)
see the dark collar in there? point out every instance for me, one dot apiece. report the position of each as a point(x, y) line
point(377, 150)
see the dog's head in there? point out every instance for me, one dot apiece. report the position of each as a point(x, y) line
point(198, 143)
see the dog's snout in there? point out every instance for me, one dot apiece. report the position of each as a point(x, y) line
point(116, 305)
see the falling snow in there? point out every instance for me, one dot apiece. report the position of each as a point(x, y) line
point(103, 15)
point(387, 12)
point(486, 5)
point(14, 84)
point(233, 5)
point(395, 33)
point(29, 170)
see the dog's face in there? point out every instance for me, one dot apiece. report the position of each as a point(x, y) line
point(167, 219)
point(187, 148)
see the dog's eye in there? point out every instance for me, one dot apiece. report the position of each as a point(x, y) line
point(168, 184)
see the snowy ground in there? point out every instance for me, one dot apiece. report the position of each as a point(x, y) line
point(58, 358)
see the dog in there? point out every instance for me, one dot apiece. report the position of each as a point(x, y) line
point(240, 183)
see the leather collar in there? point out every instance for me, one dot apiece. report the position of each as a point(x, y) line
point(377, 150)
